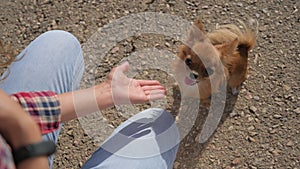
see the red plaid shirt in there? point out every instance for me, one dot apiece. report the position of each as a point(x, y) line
point(44, 108)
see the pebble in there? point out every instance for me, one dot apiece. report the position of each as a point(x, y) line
point(248, 96)
point(205, 7)
point(251, 139)
point(252, 134)
point(273, 131)
point(115, 50)
point(233, 114)
point(230, 128)
point(253, 109)
point(80, 164)
point(290, 143)
point(276, 152)
point(236, 161)
point(176, 165)
point(167, 44)
point(256, 98)
point(264, 110)
point(242, 113)
point(265, 10)
point(297, 110)
point(251, 128)
point(277, 116)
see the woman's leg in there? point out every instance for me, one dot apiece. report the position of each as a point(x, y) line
point(52, 62)
point(147, 140)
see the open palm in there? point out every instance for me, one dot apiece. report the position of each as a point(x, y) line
point(127, 90)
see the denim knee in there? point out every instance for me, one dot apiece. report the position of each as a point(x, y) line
point(65, 52)
point(58, 40)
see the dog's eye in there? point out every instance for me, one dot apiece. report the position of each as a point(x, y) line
point(208, 72)
point(188, 61)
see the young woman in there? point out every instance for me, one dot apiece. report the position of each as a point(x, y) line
point(40, 90)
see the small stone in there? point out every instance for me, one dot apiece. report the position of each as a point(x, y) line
point(115, 50)
point(248, 96)
point(236, 161)
point(252, 134)
point(265, 10)
point(176, 165)
point(277, 99)
point(205, 7)
point(256, 98)
point(80, 164)
point(70, 132)
point(242, 113)
point(273, 131)
point(167, 44)
point(286, 87)
point(230, 128)
point(75, 143)
point(233, 114)
point(264, 110)
point(251, 128)
point(239, 4)
point(253, 109)
point(277, 116)
point(251, 139)
point(290, 143)
point(297, 110)
point(276, 152)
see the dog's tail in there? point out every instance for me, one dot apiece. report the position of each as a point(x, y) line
point(247, 40)
point(226, 33)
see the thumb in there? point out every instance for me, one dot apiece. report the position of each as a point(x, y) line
point(123, 67)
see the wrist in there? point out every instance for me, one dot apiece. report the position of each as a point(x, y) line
point(27, 133)
point(103, 92)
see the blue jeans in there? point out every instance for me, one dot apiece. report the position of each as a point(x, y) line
point(54, 61)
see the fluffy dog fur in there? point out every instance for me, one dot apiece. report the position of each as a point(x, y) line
point(219, 56)
point(234, 46)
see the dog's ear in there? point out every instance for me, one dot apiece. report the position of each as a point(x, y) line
point(198, 23)
point(228, 48)
point(195, 35)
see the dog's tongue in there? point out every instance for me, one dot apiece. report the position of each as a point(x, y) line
point(189, 81)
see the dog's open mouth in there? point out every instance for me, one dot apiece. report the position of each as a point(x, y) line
point(191, 79)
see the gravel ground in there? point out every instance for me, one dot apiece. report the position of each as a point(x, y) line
point(259, 130)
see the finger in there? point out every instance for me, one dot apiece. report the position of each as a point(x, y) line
point(154, 87)
point(148, 82)
point(154, 92)
point(155, 97)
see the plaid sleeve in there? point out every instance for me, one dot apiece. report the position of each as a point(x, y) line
point(44, 108)
point(6, 159)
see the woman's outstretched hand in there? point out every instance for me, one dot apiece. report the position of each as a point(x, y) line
point(116, 89)
point(126, 90)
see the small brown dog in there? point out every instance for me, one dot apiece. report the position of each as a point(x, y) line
point(209, 60)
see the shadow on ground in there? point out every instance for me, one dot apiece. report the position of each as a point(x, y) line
point(190, 149)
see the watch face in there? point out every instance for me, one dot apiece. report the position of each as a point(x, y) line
point(44, 148)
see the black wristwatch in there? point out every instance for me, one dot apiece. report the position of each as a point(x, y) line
point(44, 148)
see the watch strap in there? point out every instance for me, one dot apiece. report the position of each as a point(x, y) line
point(44, 148)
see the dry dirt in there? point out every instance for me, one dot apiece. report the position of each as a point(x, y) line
point(262, 130)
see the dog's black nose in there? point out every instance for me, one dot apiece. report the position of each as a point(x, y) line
point(193, 76)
